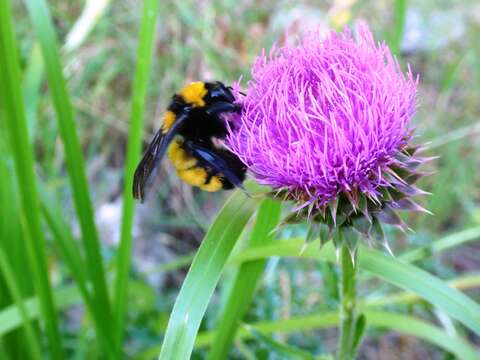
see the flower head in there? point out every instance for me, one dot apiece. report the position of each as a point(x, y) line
point(326, 124)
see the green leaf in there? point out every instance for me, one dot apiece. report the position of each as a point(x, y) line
point(418, 328)
point(448, 242)
point(245, 280)
point(406, 276)
point(142, 75)
point(282, 350)
point(203, 276)
point(360, 327)
point(177, 263)
point(13, 110)
point(462, 282)
point(319, 320)
point(42, 23)
point(10, 317)
point(427, 286)
point(205, 339)
point(381, 319)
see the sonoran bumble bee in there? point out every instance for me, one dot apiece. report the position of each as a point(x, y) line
point(191, 127)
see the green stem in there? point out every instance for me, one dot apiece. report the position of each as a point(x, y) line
point(348, 305)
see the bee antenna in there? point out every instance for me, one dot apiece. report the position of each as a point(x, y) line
point(240, 92)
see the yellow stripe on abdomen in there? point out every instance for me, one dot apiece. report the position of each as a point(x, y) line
point(187, 169)
point(195, 176)
point(179, 157)
point(214, 184)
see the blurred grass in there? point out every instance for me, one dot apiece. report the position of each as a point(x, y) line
point(13, 115)
point(140, 84)
point(71, 253)
point(399, 15)
point(221, 44)
point(6, 269)
point(40, 17)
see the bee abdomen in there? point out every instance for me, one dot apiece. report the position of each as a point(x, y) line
point(215, 183)
point(180, 159)
point(188, 171)
point(196, 176)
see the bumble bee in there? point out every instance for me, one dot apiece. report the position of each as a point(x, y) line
point(191, 127)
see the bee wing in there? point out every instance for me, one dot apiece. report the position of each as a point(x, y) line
point(151, 159)
point(215, 161)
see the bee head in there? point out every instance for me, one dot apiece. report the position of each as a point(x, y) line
point(218, 92)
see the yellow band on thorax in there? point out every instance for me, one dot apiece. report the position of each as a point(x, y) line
point(194, 93)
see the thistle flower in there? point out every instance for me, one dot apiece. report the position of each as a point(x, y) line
point(326, 123)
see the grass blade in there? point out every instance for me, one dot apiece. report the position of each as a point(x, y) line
point(203, 276)
point(92, 12)
point(142, 74)
point(245, 281)
point(8, 274)
point(32, 82)
point(14, 112)
point(400, 11)
point(40, 17)
point(12, 242)
point(71, 253)
point(66, 243)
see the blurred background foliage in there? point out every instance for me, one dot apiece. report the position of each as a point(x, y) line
point(219, 40)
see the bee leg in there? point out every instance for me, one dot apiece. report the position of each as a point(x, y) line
point(220, 107)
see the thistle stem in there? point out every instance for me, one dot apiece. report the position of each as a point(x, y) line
point(346, 342)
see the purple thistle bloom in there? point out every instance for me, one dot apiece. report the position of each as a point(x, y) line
point(329, 118)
